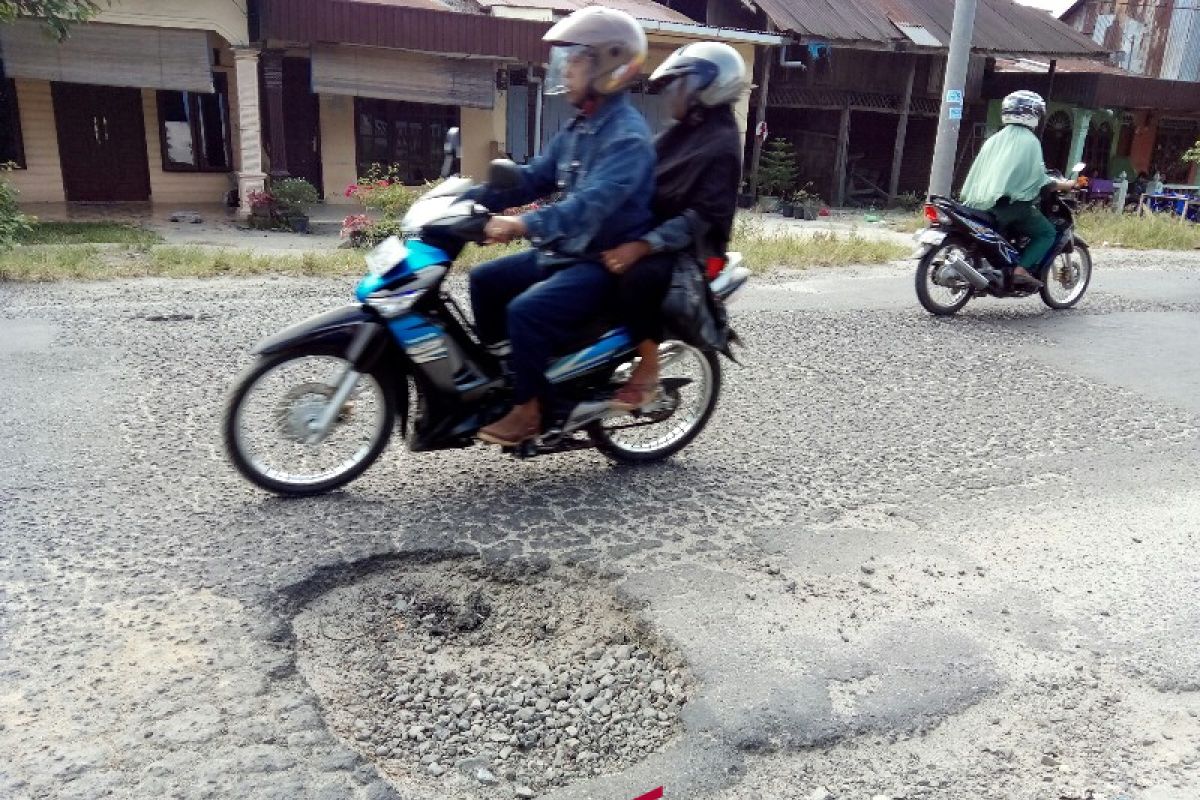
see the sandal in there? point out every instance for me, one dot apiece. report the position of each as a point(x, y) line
point(633, 396)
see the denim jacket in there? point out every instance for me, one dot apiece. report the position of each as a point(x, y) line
point(604, 167)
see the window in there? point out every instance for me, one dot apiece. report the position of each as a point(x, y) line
point(12, 149)
point(408, 136)
point(194, 129)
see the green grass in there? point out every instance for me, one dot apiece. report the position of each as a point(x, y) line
point(89, 233)
point(765, 252)
point(84, 262)
point(91, 262)
point(1153, 232)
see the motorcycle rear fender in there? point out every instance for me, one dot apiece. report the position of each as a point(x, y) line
point(337, 330)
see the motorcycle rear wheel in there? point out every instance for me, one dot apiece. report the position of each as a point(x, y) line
point(941, 301)
point(294, 386)
point(646, 437)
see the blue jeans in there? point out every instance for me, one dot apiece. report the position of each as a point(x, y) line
point(537, 309)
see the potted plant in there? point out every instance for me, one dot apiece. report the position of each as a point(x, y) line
point(264, 210)
point(807, 202)
point(777, 172)
point(745, 198)
point(295, 196)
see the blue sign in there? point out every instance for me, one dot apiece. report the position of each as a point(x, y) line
point(954, 96)
point(956, 112)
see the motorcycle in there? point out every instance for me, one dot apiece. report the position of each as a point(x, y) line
point(319, 405)
point(963, 254)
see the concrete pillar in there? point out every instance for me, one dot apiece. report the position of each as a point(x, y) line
point(1120, 193)
point(250, 175)
point(1082, 120)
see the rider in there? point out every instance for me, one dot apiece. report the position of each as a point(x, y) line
point(603, 163)
point(1008, 177)
point(695, 199)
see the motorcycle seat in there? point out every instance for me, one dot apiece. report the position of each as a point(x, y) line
point(975, 215)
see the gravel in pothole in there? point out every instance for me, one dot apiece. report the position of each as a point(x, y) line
point(445, 677)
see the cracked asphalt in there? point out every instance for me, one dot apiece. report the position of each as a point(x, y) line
point(910, 557)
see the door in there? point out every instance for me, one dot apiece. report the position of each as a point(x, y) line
point(101, 142)
point(302, 121)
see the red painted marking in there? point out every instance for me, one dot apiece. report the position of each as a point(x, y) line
point(654, 795)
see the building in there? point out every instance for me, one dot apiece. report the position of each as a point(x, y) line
point(157, 99)
point(1146, 109)
point(860, 93)
point(191, 101)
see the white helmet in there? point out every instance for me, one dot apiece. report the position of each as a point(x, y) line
point(1023, 108)
point(714, 72)
point(611, 39)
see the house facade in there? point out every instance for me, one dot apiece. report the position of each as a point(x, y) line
point(157, 99)
point(860, 93)
point(202, 101)
point(1148, 105)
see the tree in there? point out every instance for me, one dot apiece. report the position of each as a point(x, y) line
point(59, 15)
point(778, 169)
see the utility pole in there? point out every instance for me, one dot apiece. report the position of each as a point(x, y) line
point(950, 119)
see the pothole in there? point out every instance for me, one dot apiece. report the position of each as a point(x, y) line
point(447, 678)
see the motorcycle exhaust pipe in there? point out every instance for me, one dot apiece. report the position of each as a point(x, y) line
point(967, 272)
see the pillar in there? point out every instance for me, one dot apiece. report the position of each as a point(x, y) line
point(250, 175)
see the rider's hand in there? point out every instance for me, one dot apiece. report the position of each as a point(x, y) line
point(502, 230)
point(621, 258)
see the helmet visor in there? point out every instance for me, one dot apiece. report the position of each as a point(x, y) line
point(565, 59)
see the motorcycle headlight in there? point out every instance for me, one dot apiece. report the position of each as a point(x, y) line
point(393, 304)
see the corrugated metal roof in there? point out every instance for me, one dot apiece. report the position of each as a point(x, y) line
point(1099, 90)
point(641, 9)
point(1001, 26)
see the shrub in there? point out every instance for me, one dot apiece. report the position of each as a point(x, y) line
point(294, 196)
point(13, 224)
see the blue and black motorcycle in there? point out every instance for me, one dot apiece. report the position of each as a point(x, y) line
point(321, 402)
point(964, 254)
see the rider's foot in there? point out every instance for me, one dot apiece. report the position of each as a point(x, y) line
point(639, 390)
point(1021, 277)
point(521, 424)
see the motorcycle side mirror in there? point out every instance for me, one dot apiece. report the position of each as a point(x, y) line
point(1078, 168)
point(453, 145)
point(504, 174)
point(453, 150)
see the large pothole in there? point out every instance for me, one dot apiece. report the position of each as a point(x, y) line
point(447, 678)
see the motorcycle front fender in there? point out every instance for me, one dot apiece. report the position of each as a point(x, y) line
point(332, 328)
point(342, 330)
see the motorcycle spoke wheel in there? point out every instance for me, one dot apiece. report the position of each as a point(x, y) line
point(673, 420)
point(1067, 278)
point(269, 419)
point(936, 297)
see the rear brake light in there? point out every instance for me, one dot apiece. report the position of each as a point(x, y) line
point(932, 214)
point(713, 267)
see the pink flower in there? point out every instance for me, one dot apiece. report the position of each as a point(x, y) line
point(382, 184)
point(351, 190)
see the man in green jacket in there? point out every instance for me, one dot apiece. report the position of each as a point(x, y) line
point(1008, 176)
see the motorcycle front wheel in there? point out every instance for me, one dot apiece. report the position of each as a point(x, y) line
point(1067, 277)
point(269, 414)
point(690, 383)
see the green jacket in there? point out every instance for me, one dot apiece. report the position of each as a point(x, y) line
point(1009, 165)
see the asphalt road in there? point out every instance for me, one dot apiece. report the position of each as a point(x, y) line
point(910, 557)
